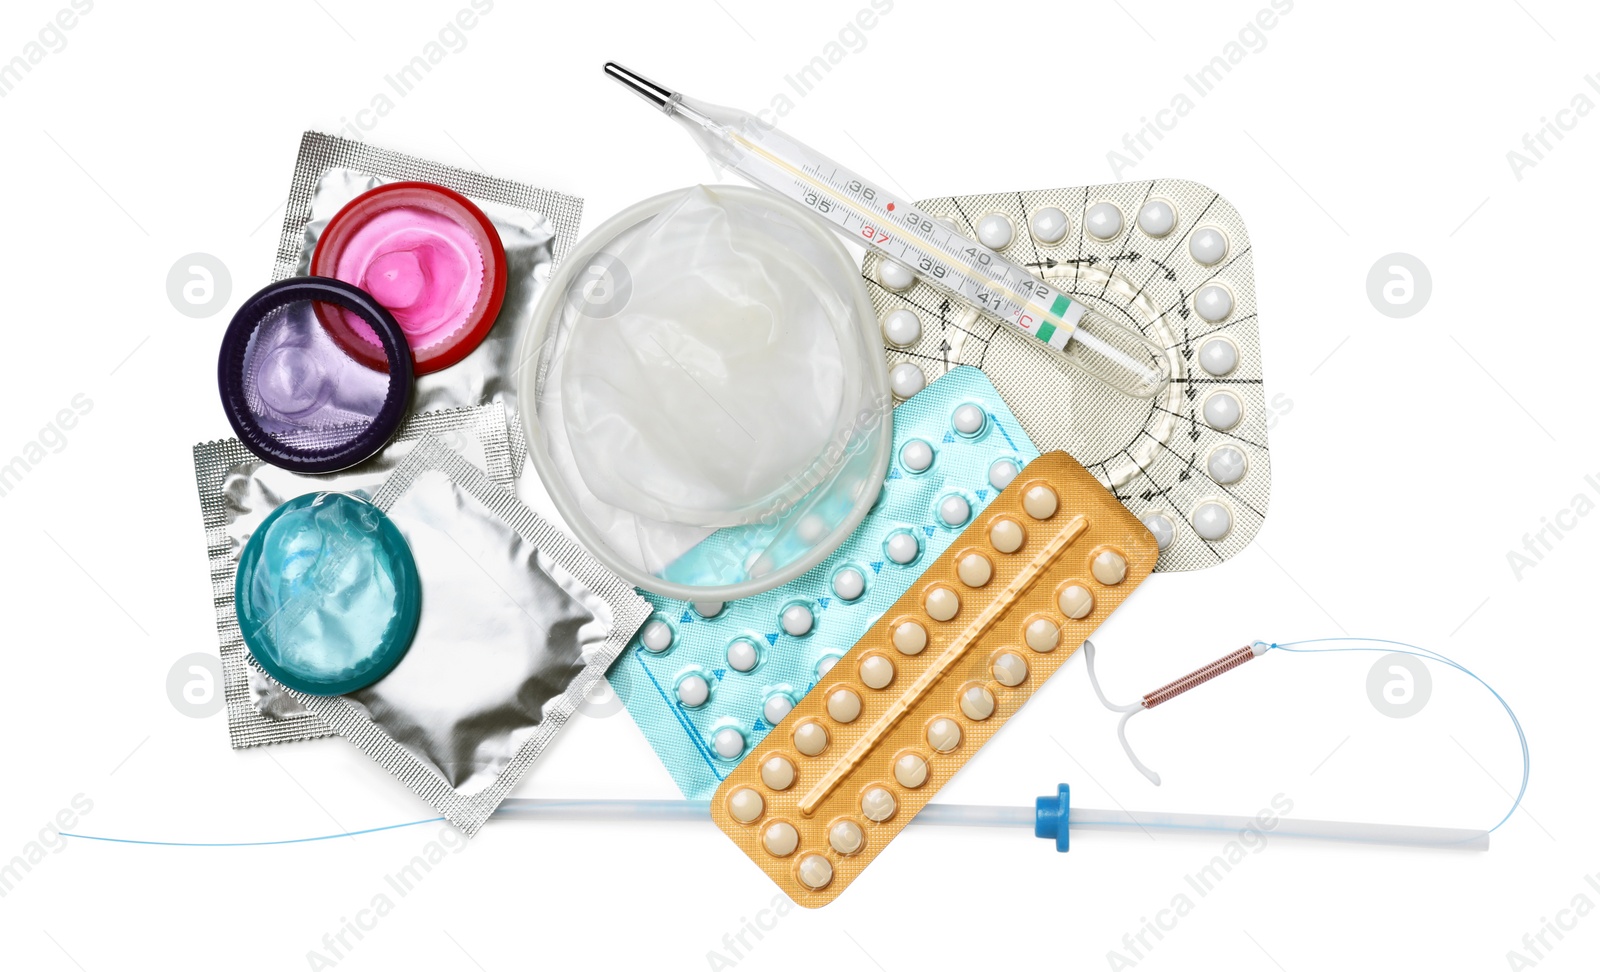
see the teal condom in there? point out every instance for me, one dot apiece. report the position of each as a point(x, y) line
point(327, 594)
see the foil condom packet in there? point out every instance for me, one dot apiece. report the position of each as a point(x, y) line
point(238, 491)
point(535, 229)
point(518, 624)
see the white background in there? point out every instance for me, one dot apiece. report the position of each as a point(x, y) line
point(1413, 455)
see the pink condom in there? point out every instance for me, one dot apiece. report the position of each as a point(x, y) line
point(429, 256)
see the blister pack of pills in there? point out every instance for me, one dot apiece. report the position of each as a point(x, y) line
point(1168, 258)
point(707, 681)
point(239, 490)
point(951, 660)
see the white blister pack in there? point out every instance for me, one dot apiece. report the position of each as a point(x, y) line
point(1168, 258)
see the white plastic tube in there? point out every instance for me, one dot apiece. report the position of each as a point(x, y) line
point(1079, 820)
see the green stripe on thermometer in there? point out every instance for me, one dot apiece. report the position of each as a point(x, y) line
point(898, 230)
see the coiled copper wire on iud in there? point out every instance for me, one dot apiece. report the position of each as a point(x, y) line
point(1199, 676)
point(1169, 691)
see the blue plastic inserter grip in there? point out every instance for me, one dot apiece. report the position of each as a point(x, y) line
point(1050, 816)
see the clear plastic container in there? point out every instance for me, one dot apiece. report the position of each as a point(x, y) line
point(705, 395)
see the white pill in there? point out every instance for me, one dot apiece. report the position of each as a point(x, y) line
point(877, 804)
point(1208, 246)
point(910, 638)
point(1226, 465)
point(1212, 521)
point(1222, 410)
point(797, 620)
point(729, 743)
point(902, 328)
point(1213, 303)
point(780, 839)
point(916, 455)
point(776, 707)
point(844, 705)
point(1160, 527)
point(1103, 221)
point(693, 691)
point(811, 528)
point(1002, 472)
point(825, 665)
point(1109, 567)
point(876, 671)
point(911, 771)
point(848, 584)
point(810, 738)
point(777, 773)
point(895, 276)
point(846, 837)
point(995, 231)
point(1157, 218)
point(1075, 601)
point(657, 636)
point(944, 735)
point(974, 570)
point(968, 419)
point(707, 609)
point(1010, 669)
point(1049, 225)
point(742, 655)
point(815, 872)
point(977, 703)
point(941, 603)
point(1042, 635)
point(906, 379)
point(1006, 535)
point(1040, 502)
point(954, 510)
point(902, 547)
point(745, 804)
point(1218, 356)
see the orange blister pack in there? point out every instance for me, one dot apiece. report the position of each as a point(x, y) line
point(944, 668)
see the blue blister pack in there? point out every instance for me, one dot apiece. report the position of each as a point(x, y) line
point(706, 681)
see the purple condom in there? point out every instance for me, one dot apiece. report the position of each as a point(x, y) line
point(293, 396)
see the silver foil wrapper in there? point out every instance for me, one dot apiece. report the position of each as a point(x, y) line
point(518, 624)
point(536, 226)
point(237, 491)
